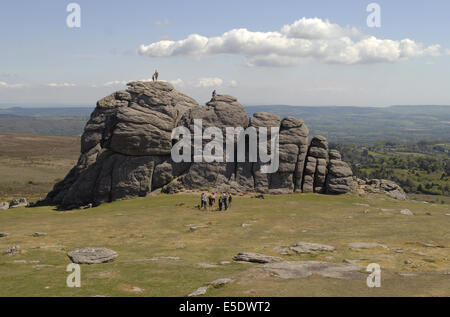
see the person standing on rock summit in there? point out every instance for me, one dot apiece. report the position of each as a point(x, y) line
point(155, 75)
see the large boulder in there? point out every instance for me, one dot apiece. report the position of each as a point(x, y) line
point(340, 176)
point(316, 166)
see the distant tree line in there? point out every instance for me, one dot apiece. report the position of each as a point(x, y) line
point(422, 167)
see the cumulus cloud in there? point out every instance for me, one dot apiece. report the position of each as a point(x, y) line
point(115, 83)
point(58, 85)
point(209, 82)
point(304, 39)
point(177, 82)
point(4, 84)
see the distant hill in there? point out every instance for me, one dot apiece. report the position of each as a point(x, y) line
point(360, 125)
point(366, 125)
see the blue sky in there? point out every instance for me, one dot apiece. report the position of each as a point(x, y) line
point(44, 62)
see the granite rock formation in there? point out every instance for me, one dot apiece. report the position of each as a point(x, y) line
point(126, 151)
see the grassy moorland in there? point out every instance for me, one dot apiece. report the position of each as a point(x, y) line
point(160, 256)
point(31, 164)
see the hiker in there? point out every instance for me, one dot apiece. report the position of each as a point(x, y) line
point(210, 201)
point(220, 203)
point(214, 94)
point(225, 202)
point(213, 197)
point(155, 75)
point(230, 199)
point(203, 201)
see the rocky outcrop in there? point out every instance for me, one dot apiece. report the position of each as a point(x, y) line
point(380, 186)
point(127, 143)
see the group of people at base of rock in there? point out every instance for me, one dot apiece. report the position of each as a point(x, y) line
point(208, 202)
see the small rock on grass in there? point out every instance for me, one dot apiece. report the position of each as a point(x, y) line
point(306, 247)
point(200, 291)
point(12, 250)
point(365, 245)
point(92, 255)
point(39, 234)
point(4, 234)
point(220, 282)
point(255, 258)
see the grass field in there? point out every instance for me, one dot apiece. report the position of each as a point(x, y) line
point(145, 231)
point(160, 256)
point(31, 164)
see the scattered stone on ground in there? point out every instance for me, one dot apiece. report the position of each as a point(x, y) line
point(245, 225)
point(406, 212)
point(21, 202)
point(282, 250)
point(200, 291)
point(427, 245)
point(4, 234)
point(306, 247)
point(207, 265)
point(12, 250)
point(350, 261)
point(4, 205)
point(92, 255)
point(194, 228)
point(224, 262)
point(158, 258)
point(255, 258)
point(25, 261)
point(364, 205)
point(220, 282)
point(88, 206)
point(215, 284)
point(365, 245)
point(407, 274)
point(39, 234)
point(136, 289)
point(301, 269)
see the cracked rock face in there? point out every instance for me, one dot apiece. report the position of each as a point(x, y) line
point(126, 151)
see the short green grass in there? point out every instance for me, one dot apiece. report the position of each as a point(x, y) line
point(158, 226)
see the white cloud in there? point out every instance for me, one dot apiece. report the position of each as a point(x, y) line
point(209, 82)
point(115, 83)
point(177, 82)
point(4, 84)
point(233, 83)
point(304, 39)
point(316, 29)
point(58, 85)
